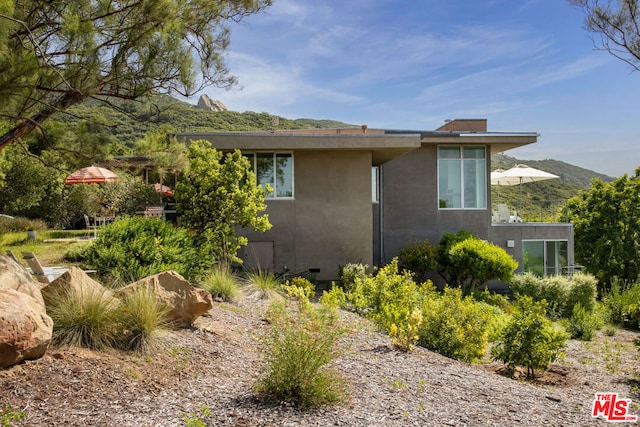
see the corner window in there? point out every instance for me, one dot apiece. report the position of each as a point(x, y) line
point(276, 170)
point(462, 177)
point(544, 257)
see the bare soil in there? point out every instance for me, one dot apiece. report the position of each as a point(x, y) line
point(206, 374)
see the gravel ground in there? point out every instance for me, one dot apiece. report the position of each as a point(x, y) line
point(205, 374)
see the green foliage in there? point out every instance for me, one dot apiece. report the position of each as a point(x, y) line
point(335, 297)
point(623, 305)
point(582, 324)
point(477, 261)
point(350, 273)
point(299, 346)
point(221, 283)
point(264, 284)
point(529, 339)
point(300, 284)
point(132, 248)
point(144, 48)
point(8, 225)
point(455, 326)
point(140, 317)
point(194, 419)
point(129, 195)
point(217, 195)
point(494, 299)
point(393, 302)
point(86, 318)
point(560, 293)
point(9, 414)
point(607, 230)
point(419, 258)
point(447, 241)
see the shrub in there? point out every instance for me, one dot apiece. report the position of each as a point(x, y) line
point(140, 317)
point(623, 305)
point(264, 284)
point(561, 293)
point(582, 324)
point(84, 318)
point(529, 339)
point(349, 273)
point(132, 248)
point(300, 286)
point(299, 346)
point(419, 258)
point(448, 240)
point(583, 290)
point(455, 326)
point(395, 301)
point(494, 299)
point(477, 261)
point(335, 297)
point(221, 283)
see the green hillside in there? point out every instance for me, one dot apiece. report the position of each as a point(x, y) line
point(127, 121)
point(544, 200)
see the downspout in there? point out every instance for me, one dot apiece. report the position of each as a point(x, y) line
point(381, 212)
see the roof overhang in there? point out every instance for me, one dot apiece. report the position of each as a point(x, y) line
point(499, 142)
point(384, 147)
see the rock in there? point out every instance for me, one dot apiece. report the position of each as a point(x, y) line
point(73, 280)
point(25, 328)
point(206, 103)
point(15, 276)
point(186, 302)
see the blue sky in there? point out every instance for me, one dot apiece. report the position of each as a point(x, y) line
point(526, 65)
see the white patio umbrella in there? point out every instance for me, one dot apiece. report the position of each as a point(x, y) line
point(521, 174)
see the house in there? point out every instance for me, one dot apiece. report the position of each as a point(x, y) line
point(359, 195)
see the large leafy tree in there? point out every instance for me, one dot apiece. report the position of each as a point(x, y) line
point(216, 195)
point(58, 53)
point(607, 229)
point(616, 25)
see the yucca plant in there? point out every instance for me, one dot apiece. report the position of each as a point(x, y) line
point(264, 284)
point(141, 316)
point(83, 318)
point(221, 283)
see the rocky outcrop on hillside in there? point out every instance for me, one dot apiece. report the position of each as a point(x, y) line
point(206, 103)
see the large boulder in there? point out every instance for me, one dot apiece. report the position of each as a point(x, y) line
point(75, 280)
point(25, 328)
point(185, 302)
point(206, 103)
point(15, 276)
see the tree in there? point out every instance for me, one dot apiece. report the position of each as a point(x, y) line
point(217, 194)
point(618, 26)
point(606, 219)
point(57, 53)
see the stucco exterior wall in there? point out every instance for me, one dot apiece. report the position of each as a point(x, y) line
point(500, 234)
point(410, 204)
point(329, 221)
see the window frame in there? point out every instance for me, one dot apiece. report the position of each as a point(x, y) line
point(461, 161)
point(252, 157)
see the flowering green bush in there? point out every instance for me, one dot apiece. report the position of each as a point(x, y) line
point(455, 326)
point(299, 347)
point(529, 339)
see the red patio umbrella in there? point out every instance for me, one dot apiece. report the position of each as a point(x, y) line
point(160, 188)
point(91, 175)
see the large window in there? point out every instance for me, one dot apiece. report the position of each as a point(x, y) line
point(462, 177)
point(276, 170)
point(544, 257)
